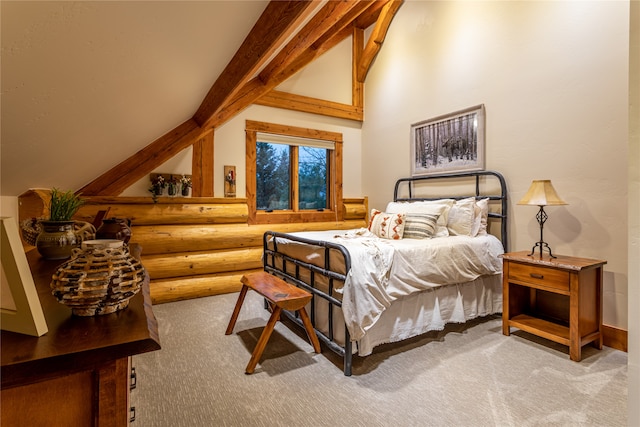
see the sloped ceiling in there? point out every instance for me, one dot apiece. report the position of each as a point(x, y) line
point(85, 84)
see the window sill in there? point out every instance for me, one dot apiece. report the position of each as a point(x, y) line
point(284, 217)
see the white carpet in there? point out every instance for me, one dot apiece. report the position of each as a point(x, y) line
point(467, 375)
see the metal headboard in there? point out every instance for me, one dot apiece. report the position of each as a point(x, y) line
point(411, 184)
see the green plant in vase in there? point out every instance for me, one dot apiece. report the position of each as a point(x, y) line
point(58, 236)
point(63, 206)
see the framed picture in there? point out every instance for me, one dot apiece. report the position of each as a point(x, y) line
point(21, 310)
point(450, 143)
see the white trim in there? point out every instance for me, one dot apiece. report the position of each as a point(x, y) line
point(272, 138)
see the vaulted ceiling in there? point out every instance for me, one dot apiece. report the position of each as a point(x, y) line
point(149, 79)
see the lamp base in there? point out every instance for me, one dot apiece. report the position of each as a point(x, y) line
point(542, 245)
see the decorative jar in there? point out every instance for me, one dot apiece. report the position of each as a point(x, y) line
point(100, 278)
point(115, 228)
point(57, 239)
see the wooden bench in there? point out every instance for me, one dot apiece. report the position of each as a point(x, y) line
point(281, 295)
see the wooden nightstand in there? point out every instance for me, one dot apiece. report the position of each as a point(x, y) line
point(559, 299)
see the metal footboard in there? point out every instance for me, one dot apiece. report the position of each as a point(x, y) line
point(291, 270)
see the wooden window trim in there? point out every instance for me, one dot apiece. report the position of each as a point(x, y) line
point(288, 216)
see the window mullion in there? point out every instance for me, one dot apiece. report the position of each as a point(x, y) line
point(330, 179)
point(293, 156)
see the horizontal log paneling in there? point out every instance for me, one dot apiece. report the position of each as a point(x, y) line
point(197, 246)
point(168, 290)
point(175, 212)
point(158, 239)
point(356, 209)
point(162, 266)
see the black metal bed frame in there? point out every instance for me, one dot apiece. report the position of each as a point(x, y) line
point(292, 268)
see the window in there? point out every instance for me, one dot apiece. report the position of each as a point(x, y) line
point(293, 174)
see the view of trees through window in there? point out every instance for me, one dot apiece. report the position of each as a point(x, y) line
point(274, 163)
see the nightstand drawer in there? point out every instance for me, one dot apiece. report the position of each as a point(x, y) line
point(539, 276)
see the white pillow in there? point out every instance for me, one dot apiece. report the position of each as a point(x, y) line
point(481, 216)
point(387, 225)
point(439, 207)
point(461, 217)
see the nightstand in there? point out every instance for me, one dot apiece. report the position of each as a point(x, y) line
point(559, 299)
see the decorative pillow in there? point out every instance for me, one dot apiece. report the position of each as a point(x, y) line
point(387, 225)
point(461, 217)
point(420, 226)
point(480, 219)
point(429, 207)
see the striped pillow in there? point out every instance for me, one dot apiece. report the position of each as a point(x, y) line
point(387, 225)
point(420, 225)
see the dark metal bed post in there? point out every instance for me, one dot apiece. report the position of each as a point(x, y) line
point(270, 237)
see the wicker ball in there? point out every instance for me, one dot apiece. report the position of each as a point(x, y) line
point(100, 278)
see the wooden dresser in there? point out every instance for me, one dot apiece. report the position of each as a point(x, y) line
point(79, 372)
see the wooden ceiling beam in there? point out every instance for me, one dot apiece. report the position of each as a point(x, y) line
point(374, 44)
point(256, 88)
point(322, 22)
point(278, 21)
point(369, 16)
point(348, 19)
point(308, 104)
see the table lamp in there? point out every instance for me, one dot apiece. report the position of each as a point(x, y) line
point(541, 193)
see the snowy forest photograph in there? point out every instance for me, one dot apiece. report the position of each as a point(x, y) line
point(450, 143)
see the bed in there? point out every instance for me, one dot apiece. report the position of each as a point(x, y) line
point(432, 257)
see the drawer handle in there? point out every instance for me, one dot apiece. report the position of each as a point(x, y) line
point(536, 275)
point(133, 379)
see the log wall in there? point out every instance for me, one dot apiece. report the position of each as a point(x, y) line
point(194, 247)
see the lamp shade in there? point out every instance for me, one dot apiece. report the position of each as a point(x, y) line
point(542, 193)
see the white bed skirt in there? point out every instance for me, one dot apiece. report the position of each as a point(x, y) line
point(432, 310)
point(421, 312)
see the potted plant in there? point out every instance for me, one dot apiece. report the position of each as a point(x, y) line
point(185, 184)
point(58, 236)
point(158, 184)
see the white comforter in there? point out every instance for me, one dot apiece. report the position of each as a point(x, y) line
point(385, 270)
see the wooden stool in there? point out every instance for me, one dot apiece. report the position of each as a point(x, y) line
point(281, 295)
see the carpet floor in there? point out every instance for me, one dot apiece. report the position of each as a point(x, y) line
point(466, 375)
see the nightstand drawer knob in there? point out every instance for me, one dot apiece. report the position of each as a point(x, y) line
point(536, 276)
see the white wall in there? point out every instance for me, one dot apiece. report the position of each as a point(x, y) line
point(553, 77)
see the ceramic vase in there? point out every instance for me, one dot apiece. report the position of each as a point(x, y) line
point(115, 228)
point(57, 239)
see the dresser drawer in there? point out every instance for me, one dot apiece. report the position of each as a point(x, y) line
point(539, 276)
